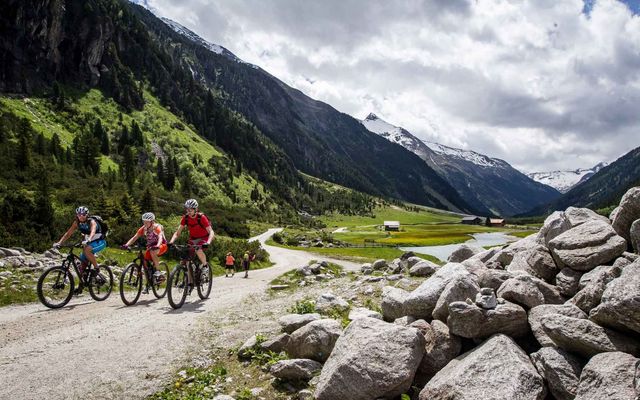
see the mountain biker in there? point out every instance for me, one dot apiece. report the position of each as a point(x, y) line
point(229, 265)
point(93, 242)
point(156, 243)
point(200, 232)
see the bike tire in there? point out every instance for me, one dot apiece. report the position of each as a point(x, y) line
point(177, 287)
point(130, 281)
point(205, 282)
point(95, 289)
point(65, 296)
point(160, 289)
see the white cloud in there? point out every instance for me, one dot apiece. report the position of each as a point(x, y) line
point(537, 83)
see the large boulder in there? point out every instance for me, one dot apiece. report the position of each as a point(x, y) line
point(327, 302)
point(496, 370)
point(393, 300)
point(299, 369)
point(555, 225)
point(470, 321)
point(578, 216)
point(634, 235)
point(292, 322)
point(314, 340)
point(441, 347)
point(585, 337)
point(379, 265)
point(504, 257)
point(423, 268)
point(627, 213)
point(536, 261)
point(372, 359)
point(586, 246)
point(589, 297)
point(459, 288)
point(421, 302)
point(486, 255)
point(568, 281)
point(475, 267)
point(608, 376)
point(560, 370)
point(620, 303)
point(276, 344)
point(494, 278)
point(529, 291)
point(464, 252)
point(536, 314)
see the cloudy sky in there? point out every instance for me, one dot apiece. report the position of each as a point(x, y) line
point(542, 84)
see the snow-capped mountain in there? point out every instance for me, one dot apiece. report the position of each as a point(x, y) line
point(482, 181)
point(565, 180)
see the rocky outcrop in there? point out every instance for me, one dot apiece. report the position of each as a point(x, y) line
point(537, 313)
point(589, 297)
point(295, 370)
point(496, 370)
point(392, 305)
point(372, 359)
point(529, 291)
point(620, 303)
point(560, 370)
point(291, 322)
point(627, 212)
point(327, 302)
point(608, 376)
point(470, 321)
point(459, 288)
point(536, 261)
point(586, 246)
point(441, 347)
point(314, 340)
point(421, 302)
point(568, 281)
point(423, 268)
point(584, 337)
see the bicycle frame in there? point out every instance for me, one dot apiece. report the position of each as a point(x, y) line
point(75, 261)
point(191, 262)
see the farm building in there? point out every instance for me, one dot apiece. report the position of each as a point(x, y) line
point(391, 225)
point(495, 222)
point(472, 221)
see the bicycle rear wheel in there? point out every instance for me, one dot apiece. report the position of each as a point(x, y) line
point(205, 282)
point(159, 286)
point(131, 284)
point(55, 287)
point(177, 287)
point(101, 284)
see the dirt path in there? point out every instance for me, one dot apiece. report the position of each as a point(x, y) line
point(106, 350)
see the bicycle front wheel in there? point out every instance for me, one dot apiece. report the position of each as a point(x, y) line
point(205, 282)
point(177, 287)
point(101, 284)
point(130, 284)
point(159, 286)
point(55, 287)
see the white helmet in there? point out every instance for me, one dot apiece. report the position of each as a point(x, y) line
point(148, 216)
point(82, 210)
point(191, 203)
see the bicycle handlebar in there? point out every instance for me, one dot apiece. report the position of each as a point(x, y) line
point(69, 246)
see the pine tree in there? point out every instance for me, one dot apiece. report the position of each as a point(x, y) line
point(137, 138)
point(148, 201)
point(87, 153)
point(171, 174)
point(101, 134)
point(23, 155)
point(185, 185)
point(129, 168)
point(41, 145)
point(123, 142)
point(128, 207)
point(58, 97)
point(44, 215)
point(161, 173)
point(56, 147)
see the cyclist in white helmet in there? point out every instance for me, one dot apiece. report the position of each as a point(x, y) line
point(94, 240)
point(156, 241)
point(200, 231)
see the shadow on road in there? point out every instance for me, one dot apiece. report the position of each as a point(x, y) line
point(191, 307)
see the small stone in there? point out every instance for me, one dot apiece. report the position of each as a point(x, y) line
point(486, 299)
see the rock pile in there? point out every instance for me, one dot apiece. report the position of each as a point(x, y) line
point(554, 315)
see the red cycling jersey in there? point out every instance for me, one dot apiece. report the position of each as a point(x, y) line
point(196, 230)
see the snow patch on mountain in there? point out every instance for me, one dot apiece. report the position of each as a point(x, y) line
point(401, 136)
point(565, 180)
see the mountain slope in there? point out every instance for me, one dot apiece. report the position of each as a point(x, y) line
point(563, 181)
point(482, 181)
point(318, 139)
point(603, 189)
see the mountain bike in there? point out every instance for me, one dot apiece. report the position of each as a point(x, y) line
point(179, 285)
point(133, 275)
point(56, 284)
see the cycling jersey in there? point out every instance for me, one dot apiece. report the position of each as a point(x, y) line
point(197, 230)
point(152, 235)
point(85, 229)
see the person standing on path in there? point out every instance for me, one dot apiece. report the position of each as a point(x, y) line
point(246, 262)
point(229, 265)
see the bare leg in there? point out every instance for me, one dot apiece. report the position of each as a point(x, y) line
point(88, 252)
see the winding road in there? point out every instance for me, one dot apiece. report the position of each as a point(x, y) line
point(92, 350)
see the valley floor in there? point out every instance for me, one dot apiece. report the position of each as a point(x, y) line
point(90, 350)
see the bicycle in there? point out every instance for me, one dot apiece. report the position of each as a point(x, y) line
point(56, 284)
point(179, 286)
point(132, 277)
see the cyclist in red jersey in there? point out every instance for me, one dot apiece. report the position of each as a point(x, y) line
point(200, 232)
